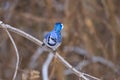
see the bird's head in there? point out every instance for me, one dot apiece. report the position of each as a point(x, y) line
point(58, 27)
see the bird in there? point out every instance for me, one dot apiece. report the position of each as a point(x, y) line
point(53, 39)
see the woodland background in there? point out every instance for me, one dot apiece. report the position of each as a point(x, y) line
point(91, 33)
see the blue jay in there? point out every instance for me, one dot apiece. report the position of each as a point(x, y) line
point(53, 39)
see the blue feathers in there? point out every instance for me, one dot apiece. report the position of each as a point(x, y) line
point(58, 27)
point(53, 39)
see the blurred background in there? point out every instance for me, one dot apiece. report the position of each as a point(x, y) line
point(91, 38)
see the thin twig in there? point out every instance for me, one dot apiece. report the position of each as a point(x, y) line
point(80, 66)
point(92, 59)
point(38, 42)
point(80, 74)
point(17, 54)
point(21, 33)
point(46, 66)
point(33, 61)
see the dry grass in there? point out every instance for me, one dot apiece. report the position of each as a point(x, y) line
point(91, 25)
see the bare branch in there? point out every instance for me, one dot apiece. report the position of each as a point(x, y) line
point(38, 42)
point(33, 62)
point(22, 33)
point(17, 54)
point(92, 59)
point(46, 66)
point(80, 74)
point(80, 66)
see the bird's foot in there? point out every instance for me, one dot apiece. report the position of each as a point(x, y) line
point(43, 44)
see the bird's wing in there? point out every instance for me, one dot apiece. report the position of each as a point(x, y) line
point(53, 37)
point(59, 37)
point(53, 40)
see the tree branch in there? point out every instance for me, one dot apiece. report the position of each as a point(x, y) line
point(38, 42)
point(17, 54)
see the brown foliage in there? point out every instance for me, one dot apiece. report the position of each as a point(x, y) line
point(92, 25)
